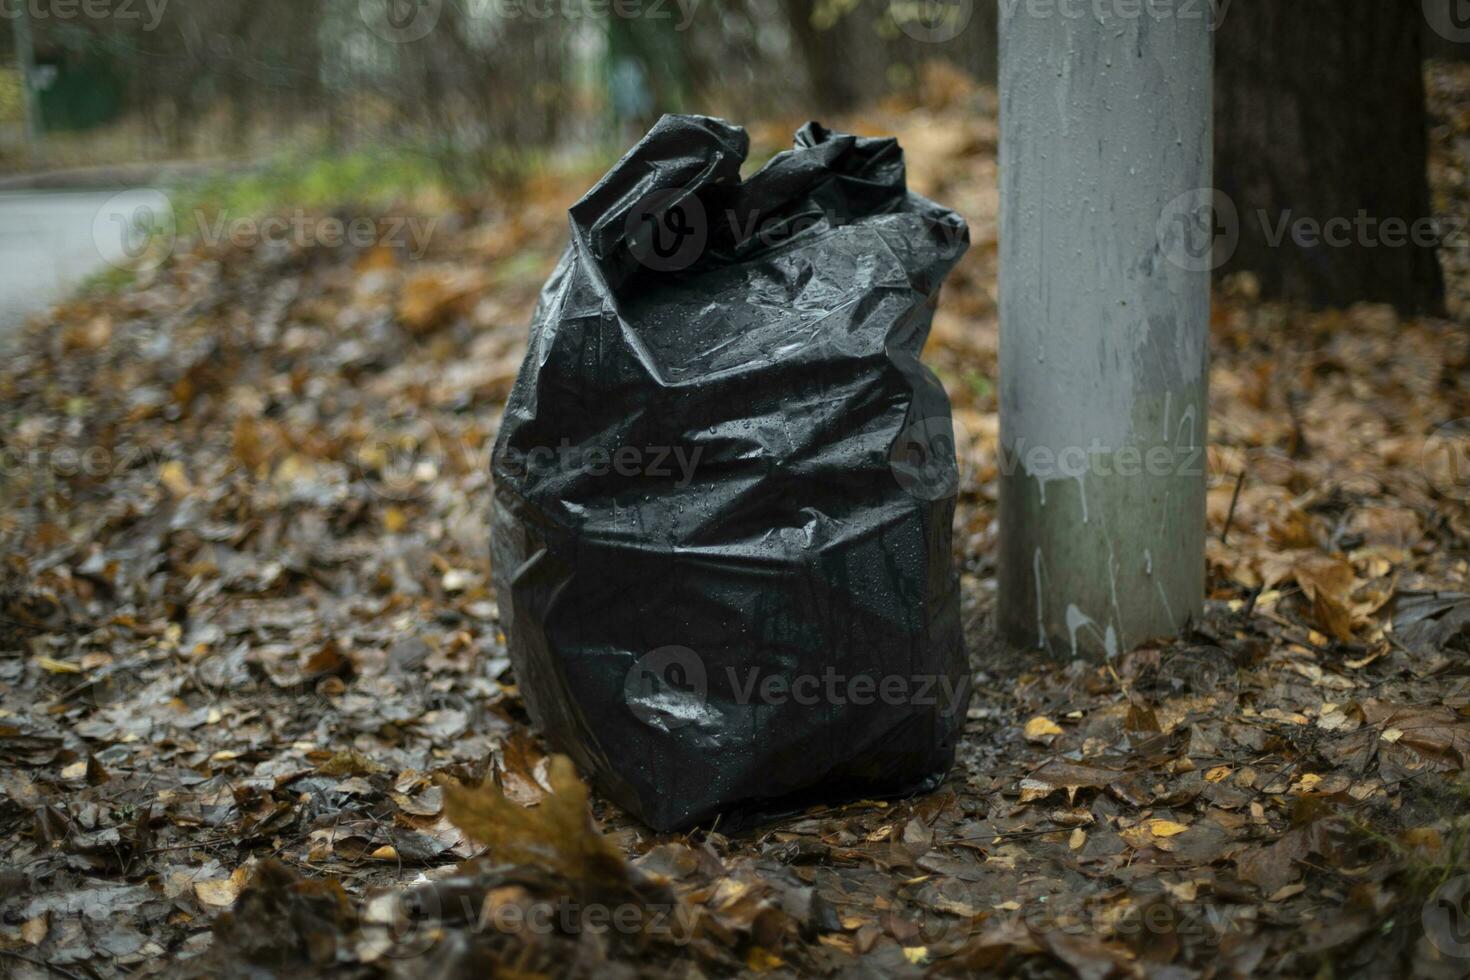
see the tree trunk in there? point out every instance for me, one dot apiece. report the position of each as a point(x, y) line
point(1104, 319)
point(1320, 118)
point(831, 81)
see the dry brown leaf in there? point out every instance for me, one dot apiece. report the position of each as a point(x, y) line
point(522, 768)
point(1437, 734)
point(430, 299)
point(557, 834)
point(34, 931)
point(1329, 583)
point(221, 893)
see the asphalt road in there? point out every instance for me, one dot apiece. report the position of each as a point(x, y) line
point(52, 241)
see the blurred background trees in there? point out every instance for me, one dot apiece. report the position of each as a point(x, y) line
point(1311, 95)
point(1320, 116)
point(477, 83)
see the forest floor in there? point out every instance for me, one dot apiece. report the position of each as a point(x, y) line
point(248, 651)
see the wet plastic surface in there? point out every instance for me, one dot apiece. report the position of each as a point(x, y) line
point(724, 483)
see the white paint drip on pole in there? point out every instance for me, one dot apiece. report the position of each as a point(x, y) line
point(1104, 305)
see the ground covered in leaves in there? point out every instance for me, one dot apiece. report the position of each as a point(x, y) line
point(256, 716)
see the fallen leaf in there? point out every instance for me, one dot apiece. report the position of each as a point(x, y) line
point(1041, 728)
point(557, 833)
point(34, 930)
point(217, 893)
point(1165, 828)
point(171, 474)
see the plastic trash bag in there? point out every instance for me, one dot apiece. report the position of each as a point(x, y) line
point(724, 483)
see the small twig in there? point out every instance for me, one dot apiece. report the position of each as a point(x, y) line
point(189, 845)
point(1008, 834)
point(1234, 499)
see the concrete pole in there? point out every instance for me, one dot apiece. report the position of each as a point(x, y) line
point(1105, 227)
point(25, 62)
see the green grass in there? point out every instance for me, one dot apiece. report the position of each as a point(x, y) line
point(107, 281)
point(365, 179)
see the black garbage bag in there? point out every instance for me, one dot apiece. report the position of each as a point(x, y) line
point(724, 483)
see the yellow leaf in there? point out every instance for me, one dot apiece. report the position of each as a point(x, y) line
point(916, 954)
point(57, 666)
point(1185, 891)
point(1040, 728)
point(217, 893)
point(557, 834)
point(385, 853)
point(1165, 828)
point(33, 931)
point(1078, 839)
point(1427, 837)
point(1307, 783)
point(172, 476)
point(762, 960)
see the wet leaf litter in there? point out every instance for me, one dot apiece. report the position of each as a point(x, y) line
point(252, 669)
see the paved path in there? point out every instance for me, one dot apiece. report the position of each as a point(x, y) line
point(52, 241)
